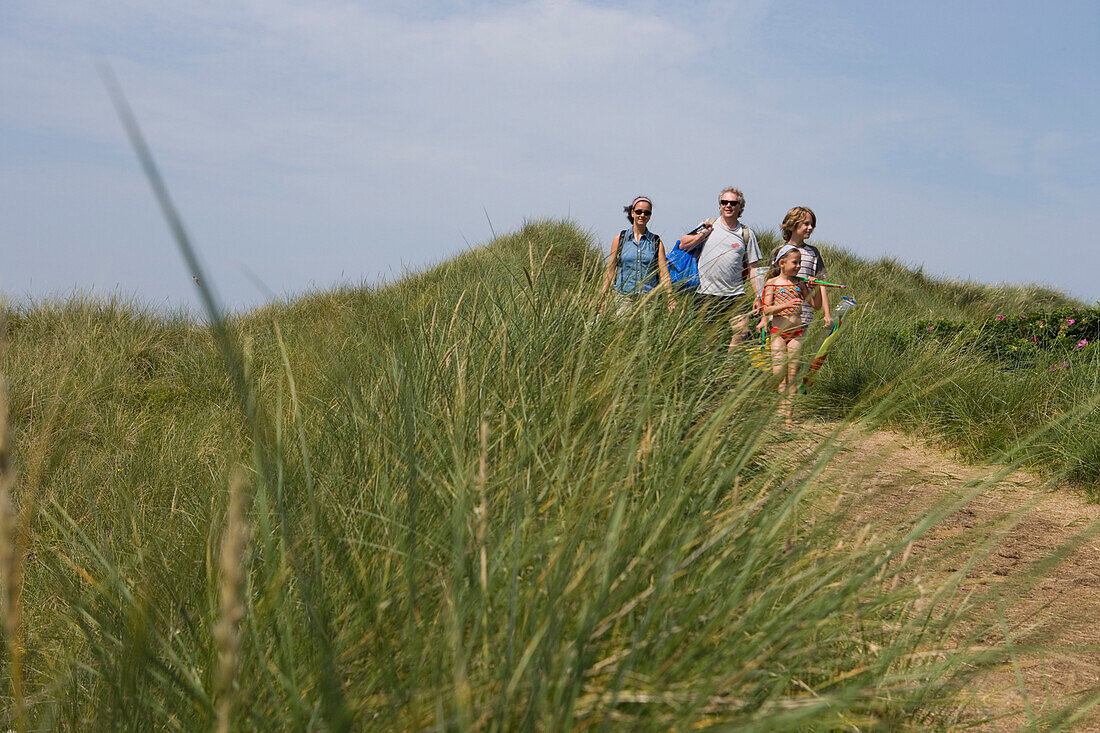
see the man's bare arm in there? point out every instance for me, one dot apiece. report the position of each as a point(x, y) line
point(689, 242)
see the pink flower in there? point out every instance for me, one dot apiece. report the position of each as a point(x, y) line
point(1040, 323)
point(1036, 338)
point(1082, 342)
point(1000, 318)
point(1070, 321)
point(931, 328)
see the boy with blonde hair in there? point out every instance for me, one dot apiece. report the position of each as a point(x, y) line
point(799, 224)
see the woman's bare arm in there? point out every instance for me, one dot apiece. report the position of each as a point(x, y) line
point(609, 273)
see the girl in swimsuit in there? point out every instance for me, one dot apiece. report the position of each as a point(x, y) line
point(784, 293)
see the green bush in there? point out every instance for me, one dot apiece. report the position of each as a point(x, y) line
point(1025, 337)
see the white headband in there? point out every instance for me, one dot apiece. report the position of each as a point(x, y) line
point(782, 252)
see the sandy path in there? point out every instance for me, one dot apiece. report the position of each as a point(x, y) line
point(906, 477)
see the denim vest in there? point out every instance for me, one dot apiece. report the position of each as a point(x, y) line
point(637, 264)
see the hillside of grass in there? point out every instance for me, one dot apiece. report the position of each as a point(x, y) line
point(459, 501)
point(994, 372)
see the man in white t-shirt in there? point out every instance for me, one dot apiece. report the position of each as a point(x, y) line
point(729, 251)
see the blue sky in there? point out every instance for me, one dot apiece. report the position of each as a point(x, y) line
point(314, 143)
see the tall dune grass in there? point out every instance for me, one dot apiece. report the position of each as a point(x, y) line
point(471, 506)
point(986, 409)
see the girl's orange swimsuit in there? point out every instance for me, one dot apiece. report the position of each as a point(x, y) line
point(787, 294)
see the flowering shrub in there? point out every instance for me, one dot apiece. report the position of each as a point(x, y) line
point(1024, 337)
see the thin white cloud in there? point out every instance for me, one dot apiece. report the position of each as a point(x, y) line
point(367, 137)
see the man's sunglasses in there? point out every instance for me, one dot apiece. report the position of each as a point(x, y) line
point(729, 203)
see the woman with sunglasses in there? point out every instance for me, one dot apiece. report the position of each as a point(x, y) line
point(637, 260)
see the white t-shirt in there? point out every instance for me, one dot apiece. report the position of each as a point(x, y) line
point(724, 255)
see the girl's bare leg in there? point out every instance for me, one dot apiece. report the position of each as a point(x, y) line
point(780, 369)
point(794, 346)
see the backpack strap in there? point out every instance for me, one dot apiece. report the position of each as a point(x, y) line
point(622, 240)
point(746, 270)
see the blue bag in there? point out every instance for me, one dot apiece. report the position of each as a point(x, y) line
point(683, 269)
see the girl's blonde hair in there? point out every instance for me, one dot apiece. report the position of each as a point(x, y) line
point(773, 270)
point(794, 217)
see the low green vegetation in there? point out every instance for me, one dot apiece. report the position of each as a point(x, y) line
point(991, 371)
point(1026, 340)
point(460, 501)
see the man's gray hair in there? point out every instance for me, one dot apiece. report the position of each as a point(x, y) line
point(732, 189)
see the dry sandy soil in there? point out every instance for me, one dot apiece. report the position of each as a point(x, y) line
point(906, 478)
